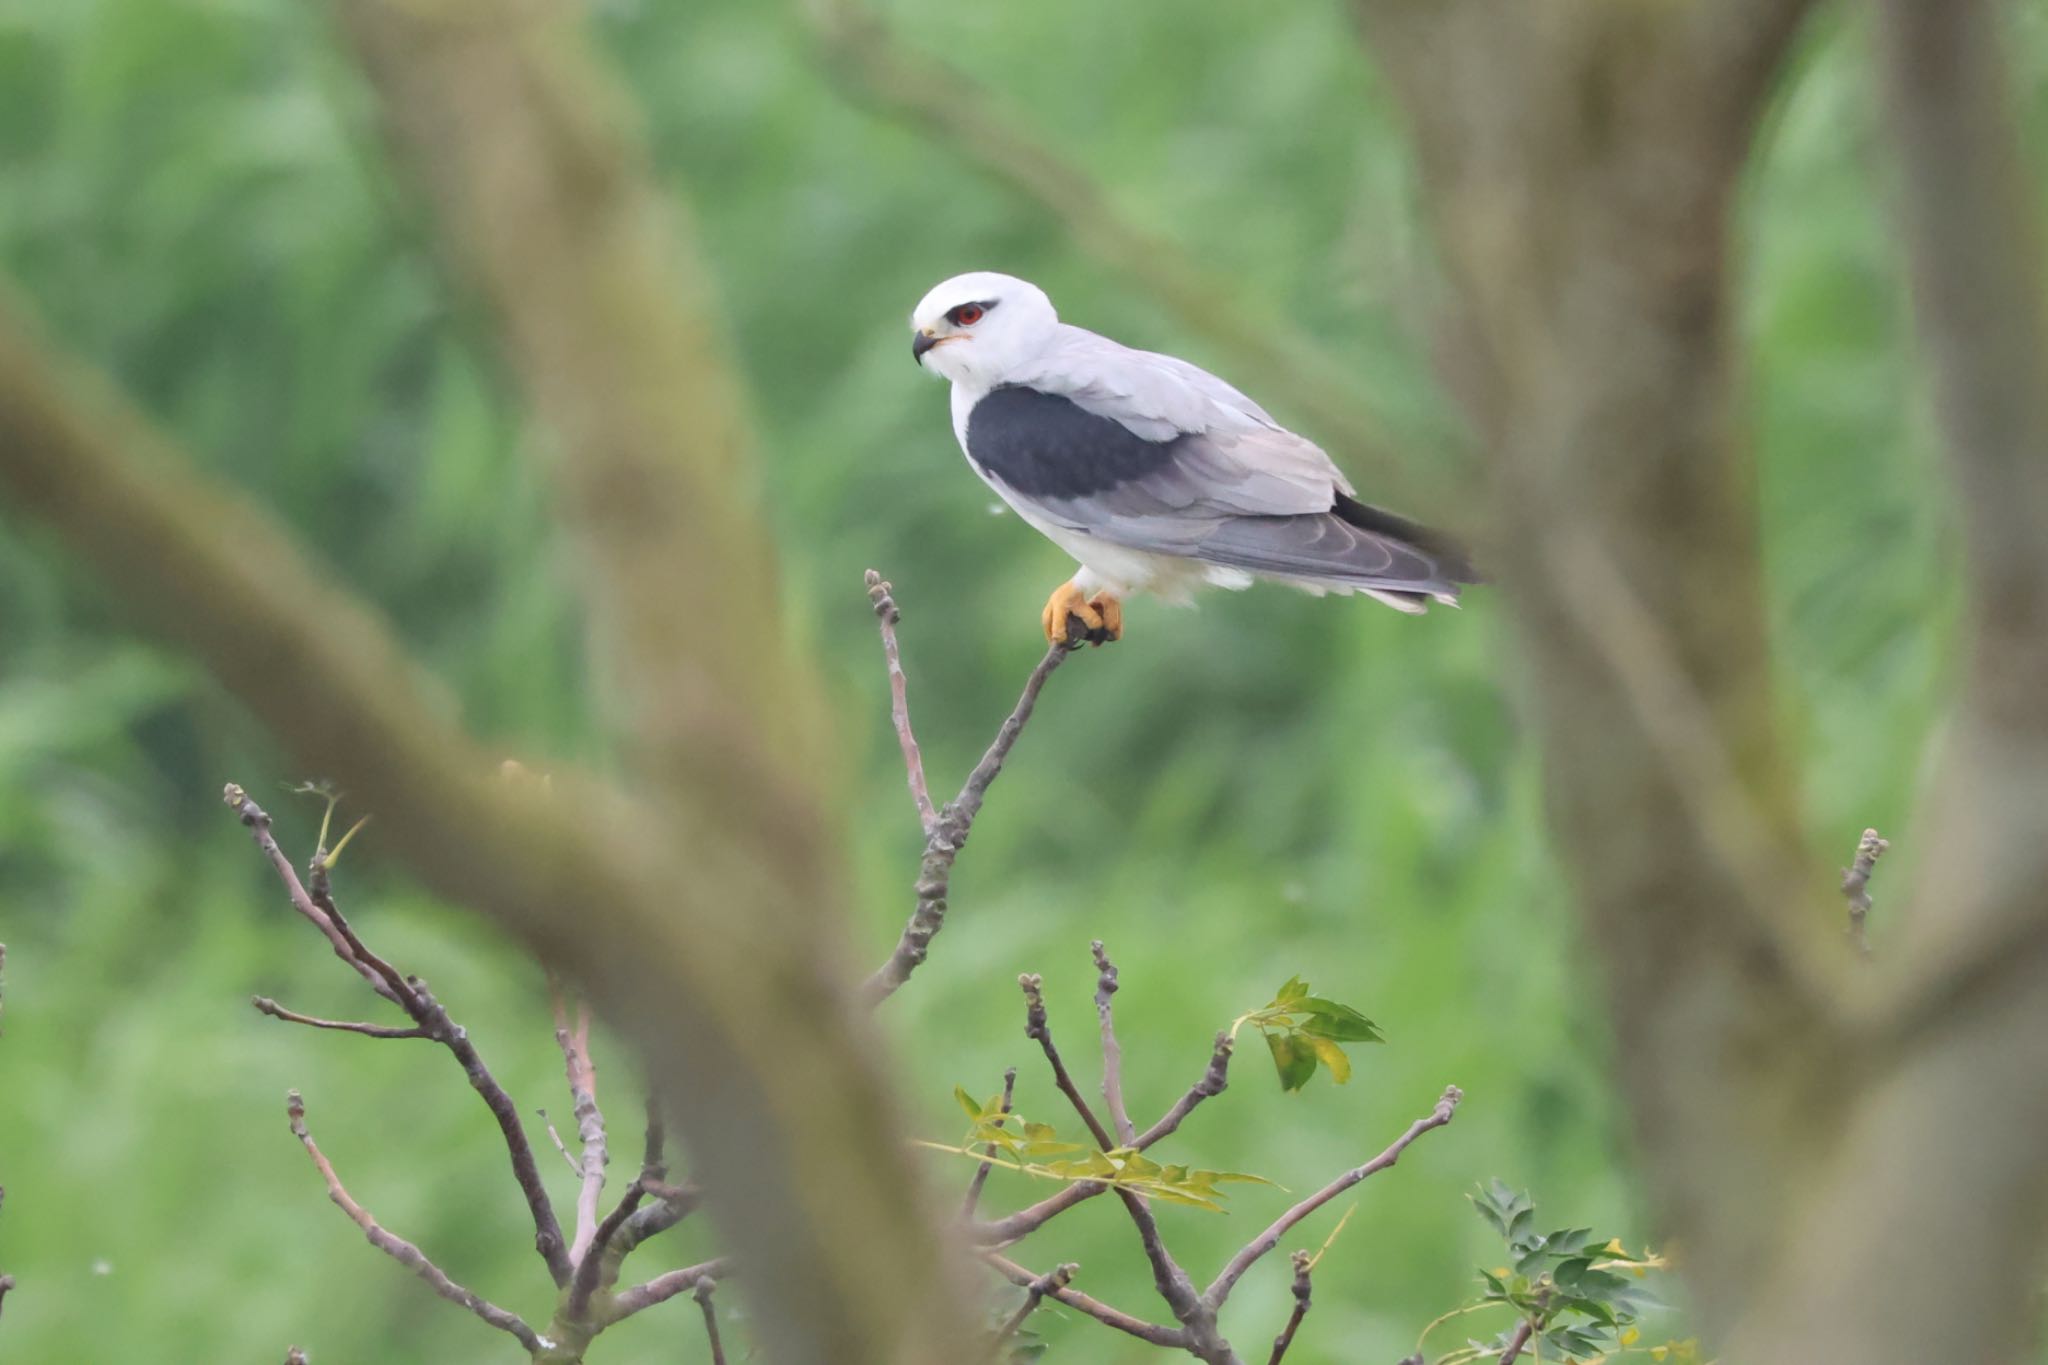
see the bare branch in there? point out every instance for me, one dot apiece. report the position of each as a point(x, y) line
point(430, 1016)
point(1111, 1317)
point(590, 1130)
point(1523, 1331)
point(662, 1288)
point(981, 1172)
point(400, 1250)
point(6, 1284)
point(702, 1293)
point(1002, 1231)
point(1267, 1240)
point(1056, 1278)
point(1112, 1053)
point(1212, 1083)
point(257, 820)
point(888, 613)
point(1856, 886)
point(1036, 1026)
point(265, 1005)
point(1302, 1263)
point(949, 834)
point(676, 1202)
point(560, 1145)
point(591, 1262)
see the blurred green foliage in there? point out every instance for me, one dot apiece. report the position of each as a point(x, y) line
point(191, 193)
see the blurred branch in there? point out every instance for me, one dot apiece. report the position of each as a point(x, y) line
point(400, 1250)
point(888, 614)
point(1112, 1053)
point(949, 831)
point(945, 105)
point(535, 165)
point(1303, 1262)
point(1094, 1308)
point(265, 1005)
point(1513, 1350)
point(702, 1294)
point(662, 1288)
point(1581, 163)
point(1056, 1278)
point(1968, 1005)
point(633, 904)
point(974, 1187)
point(1219, 1289)
point(1856, 886)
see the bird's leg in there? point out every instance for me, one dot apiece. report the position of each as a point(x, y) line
point(1067, 606)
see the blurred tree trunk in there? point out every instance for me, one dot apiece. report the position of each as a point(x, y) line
point(1580, 160)
point(702, 908)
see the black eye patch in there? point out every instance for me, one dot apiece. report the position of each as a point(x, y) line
point(967, 314)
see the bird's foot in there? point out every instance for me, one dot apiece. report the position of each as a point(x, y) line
point(1072, 618)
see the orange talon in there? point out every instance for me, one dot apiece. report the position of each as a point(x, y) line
point(1112, 613)
point(1066, 605)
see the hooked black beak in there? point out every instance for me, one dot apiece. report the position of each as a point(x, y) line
point(920, 342)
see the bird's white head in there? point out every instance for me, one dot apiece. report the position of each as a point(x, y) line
point(975, 329)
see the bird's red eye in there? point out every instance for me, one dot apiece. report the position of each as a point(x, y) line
point(966, 315)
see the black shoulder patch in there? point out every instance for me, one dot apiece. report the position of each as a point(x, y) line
point(1045, 445)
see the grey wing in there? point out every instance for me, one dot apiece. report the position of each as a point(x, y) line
point(1215, 478)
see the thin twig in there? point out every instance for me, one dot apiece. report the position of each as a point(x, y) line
point(560, 1146)
point(948, 834)
point(1172, 1282)
point(662, 1288)
point(1523, 1330)
point(1014, 1227)
point(1112, 1053)
point(1213, 1082)
point(6, 1284)
point(981, 1171)
point(1856, 885)
point(265, 1005)
point(1220, 1289)
point(702, 1293)
point(1302, 1262)
point(1056, 1278)
point(257, 821)
point(1036, 1026)
point(396, 1247)
point(888, 613)
point(1153, 1332)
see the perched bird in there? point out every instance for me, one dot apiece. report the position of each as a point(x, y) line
point(1156, 475)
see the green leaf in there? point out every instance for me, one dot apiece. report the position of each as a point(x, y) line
point(1332, 1056)
point(1328, 1019)
point(1294, 990)
point(967, 1101)
point(1293, 1059)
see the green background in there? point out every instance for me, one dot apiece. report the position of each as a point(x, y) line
point(191, 192)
